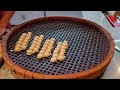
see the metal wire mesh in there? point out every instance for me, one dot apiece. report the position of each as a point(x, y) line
point(87, 47)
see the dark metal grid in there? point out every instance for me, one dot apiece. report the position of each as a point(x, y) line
point(87, 47)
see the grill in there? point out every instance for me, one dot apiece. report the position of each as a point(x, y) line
point(90, 49)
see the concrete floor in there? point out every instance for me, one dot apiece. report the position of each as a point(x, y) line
point(113, 69)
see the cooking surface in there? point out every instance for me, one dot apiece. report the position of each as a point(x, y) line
point(87, 47)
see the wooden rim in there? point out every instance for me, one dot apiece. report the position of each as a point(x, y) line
point(84, 74)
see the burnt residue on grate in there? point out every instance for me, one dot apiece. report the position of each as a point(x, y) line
point(87, 47)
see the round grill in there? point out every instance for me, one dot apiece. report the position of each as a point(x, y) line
point(88, 45)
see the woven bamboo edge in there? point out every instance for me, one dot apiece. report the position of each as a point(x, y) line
point(88, 74)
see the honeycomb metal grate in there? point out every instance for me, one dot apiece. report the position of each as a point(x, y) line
point(87, 47)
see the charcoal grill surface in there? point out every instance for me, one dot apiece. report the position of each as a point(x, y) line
point(88, 47)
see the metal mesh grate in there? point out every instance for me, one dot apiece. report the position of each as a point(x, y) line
point(87, 47)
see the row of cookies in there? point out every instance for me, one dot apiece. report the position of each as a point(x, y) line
point(47, 48)
point(23, 41)
point(36, 43)
point(59, 52)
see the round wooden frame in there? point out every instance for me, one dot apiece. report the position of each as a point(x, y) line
point(88, 74)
